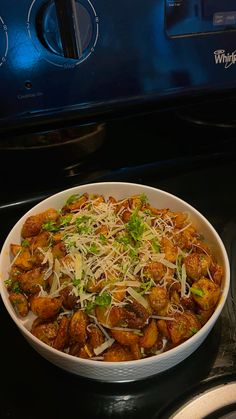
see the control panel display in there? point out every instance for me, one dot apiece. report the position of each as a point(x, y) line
point(184, 17)
point(91, 57)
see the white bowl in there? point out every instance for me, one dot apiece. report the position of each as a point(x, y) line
point(128, 370)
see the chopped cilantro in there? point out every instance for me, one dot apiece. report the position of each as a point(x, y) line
point(133, 253)
point(16, 287)
point(72, 199)
point(102, 239)
point(69, 242)
point(25, 243)
point(76, 282)
point(103, 300)
point(13, 285)
point(8, 282)
point(123, 239)
point(93, 249)
point(65, 220)
point(143, 198)
point(193, 331)
point(90, 307)
point(81, 220)
point(145, 286)
point(82, 224)
point(50, 225)
point(156, 245)
point(135, 226)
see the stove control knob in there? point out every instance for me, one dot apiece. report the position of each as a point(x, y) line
point(68, 28)
point(3, 42)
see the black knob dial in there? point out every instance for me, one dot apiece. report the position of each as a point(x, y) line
point(68, 28)
point(3, 41)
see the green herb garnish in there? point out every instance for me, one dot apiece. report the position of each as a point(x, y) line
point(76, 282)
point(143, 198)
point(197, 291)
point(123, 240)
point(145, 286)
point(156, 245)
point(90, 307)
point(25, 243)
point(65, 220)
point(50, 225)
point(72, 199)
point(133, 253)
point(135, 226)
point(13, 285)
point(102, 300)
point(193, 331)
point(82, 224)
point(102, 239)
point(93, 249)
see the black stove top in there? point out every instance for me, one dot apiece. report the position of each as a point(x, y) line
point(197, 164)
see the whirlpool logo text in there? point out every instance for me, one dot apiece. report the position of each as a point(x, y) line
point(227, 59)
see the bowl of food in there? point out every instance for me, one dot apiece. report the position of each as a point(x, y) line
point(114, 281)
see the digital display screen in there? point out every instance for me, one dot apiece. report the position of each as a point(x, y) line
point(189, 17)
point(224, 18)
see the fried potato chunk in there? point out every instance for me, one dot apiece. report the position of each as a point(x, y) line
point(155, 270)
point(75, 203)
point(183, 326)
point(178, 218)
point(134, 315)
point(95, 336)
point(33, 224)
point(135, 351)
point(45, 307)
point(46, 331)
point(170, 250)
point(20, 303)
point(59, 250)
point(150, 335)
point(68, 298)
point(185, 238)
point(158, 298)
point(204, 315)
point(217, 273)
point(31, 281)
point(23, 258)
point(197, 265)
point(163, 329)
point(118, 353)
point(124, 337)
point(206, 293)
point(109, 317)
point(62, 336)
point(41, 240)
point(78, 327)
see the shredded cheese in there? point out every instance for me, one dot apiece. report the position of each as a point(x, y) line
point(105, 345)
point(138, 297)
